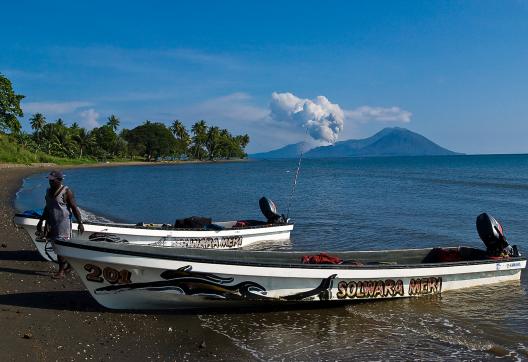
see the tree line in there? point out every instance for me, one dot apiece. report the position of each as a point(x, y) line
point(150, 140)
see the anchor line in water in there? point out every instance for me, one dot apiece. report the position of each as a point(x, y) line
point(296, 175)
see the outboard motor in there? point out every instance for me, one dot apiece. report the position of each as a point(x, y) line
point(269, 210)
point(492, 234)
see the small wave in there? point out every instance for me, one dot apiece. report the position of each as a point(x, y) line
point(91, 217)
point(270, 245)
point(21, 187)
point(438, 326)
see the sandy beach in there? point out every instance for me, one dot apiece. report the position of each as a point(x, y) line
point(46, 319)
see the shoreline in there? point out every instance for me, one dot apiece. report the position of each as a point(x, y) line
point(47, 319)
point(114, 164)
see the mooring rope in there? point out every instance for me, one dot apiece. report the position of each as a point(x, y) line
point(303, 145)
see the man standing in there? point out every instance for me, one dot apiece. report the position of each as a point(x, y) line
point(60, 204)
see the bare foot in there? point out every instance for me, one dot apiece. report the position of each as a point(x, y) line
point(59, 275)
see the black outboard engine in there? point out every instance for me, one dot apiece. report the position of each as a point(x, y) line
point(492, 234)
point(269, 210)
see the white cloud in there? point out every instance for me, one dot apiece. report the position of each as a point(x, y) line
point(142, 60)
point(368, 113)
point(89, 119)
point(235, 108)
point(200, 57)
point(53, 108)
point(323, 120)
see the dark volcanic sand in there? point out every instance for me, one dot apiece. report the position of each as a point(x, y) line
point(46, 319)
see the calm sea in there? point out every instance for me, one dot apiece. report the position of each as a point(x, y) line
point(338, 204)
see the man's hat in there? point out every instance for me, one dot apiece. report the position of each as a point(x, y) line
point(55, 175)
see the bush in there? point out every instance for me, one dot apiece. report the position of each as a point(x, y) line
point(11, 152)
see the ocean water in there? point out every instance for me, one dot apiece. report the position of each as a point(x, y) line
point(344, 204)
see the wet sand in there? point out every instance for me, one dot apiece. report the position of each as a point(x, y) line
point(46, 319)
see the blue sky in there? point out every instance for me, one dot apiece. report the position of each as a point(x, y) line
point(454, 71)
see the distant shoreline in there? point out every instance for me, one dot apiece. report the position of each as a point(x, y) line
point(250, 158)
point(112, 164)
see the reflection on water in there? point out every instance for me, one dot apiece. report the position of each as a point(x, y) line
point(477, 323)
point(270, 245)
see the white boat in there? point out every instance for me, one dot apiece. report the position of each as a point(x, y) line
point(143, 277)
point(211, 235)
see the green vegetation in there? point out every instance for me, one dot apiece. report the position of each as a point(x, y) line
point(56, 142)
point(153, 140)
point(9, 106)
point(12, 152)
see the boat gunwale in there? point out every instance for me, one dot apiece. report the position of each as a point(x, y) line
point(134, 226)
point(240, 262)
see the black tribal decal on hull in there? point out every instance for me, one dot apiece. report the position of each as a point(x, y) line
point(186, 282)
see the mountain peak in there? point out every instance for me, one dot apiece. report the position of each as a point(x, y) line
point(388, 130)
point(390, 141)
point(288, 151)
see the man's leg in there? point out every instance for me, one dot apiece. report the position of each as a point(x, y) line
point(63, 267)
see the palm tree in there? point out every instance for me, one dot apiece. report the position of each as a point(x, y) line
point(59, 122)
point(24, 140)
point(37, 122)
point(177, 128)
point(113, 122)
point(46, 136)
point(212, 142)
point(199, 129)
point(179, 131)
point(225, 141)
point(61, 141)
point(240, 143)
point(84, 139)
point(74, 126)
point(244, 140)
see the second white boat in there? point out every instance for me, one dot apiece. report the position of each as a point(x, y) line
point(191, 233)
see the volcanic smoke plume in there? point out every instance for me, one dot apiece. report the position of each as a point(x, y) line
point(322, 119)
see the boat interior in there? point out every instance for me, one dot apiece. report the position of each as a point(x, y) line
point(190, 225)
point(267, 207)
point(346, 259)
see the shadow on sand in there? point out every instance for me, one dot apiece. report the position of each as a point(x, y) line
point(82, 301)
point(55, 300)
point(21, 255)
point(25, 272)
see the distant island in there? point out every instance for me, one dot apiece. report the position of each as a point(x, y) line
point(392, 141)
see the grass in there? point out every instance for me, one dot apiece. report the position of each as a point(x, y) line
point(11, 152)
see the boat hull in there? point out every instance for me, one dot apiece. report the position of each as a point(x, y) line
point(176, 238)
point(140, 278)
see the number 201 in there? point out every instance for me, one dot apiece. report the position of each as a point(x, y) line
point(111, 275)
